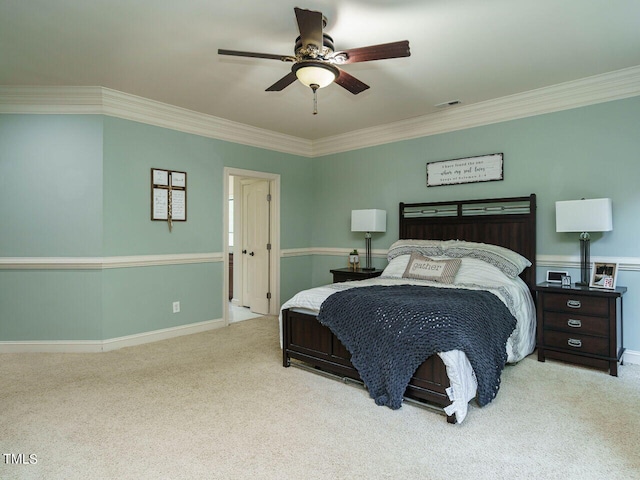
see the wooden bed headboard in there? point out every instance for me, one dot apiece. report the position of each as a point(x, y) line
point(508, 222)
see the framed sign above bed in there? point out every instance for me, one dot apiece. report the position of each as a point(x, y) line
point(483, 168)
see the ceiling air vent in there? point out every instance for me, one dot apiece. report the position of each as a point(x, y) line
point(450, 103)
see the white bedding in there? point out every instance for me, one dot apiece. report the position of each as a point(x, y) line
point(473, 274)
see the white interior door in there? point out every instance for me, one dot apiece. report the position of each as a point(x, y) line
point(256, 245)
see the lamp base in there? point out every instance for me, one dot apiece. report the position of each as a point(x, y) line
point(584, 259)
point(368, 269)
point(367, 244)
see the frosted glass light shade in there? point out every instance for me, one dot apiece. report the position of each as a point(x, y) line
point(315, 73)
point(371, 220)
point(592, 215)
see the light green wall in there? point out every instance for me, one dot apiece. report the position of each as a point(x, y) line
point(140, 299)
point(78, 185)
point(589, 152)
point(50, 206)
point(50, 185)
point(130, 151)
point(50, 305)
point(294, 273)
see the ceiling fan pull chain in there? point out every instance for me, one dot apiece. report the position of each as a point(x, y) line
point(314, 87)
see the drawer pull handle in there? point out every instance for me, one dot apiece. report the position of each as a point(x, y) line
point(574, 342)
point(572, 322)
point(574, 303)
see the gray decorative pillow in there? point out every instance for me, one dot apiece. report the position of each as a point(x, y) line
point(425, 268)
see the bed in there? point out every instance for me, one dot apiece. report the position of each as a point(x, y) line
point(490, 243)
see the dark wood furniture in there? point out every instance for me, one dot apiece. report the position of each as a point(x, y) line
point(581, 325)
point(508, 222)
point(348, 274)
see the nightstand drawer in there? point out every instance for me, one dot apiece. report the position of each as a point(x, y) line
point(347, 274)
point(578, 324)
point(566, 302)
point(576, 343)
point(345, 277)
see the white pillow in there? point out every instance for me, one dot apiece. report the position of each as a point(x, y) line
point(510, 262)
point(478, 272)
point(396, 267)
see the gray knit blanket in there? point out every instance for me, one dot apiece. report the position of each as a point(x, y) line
point(391, 330)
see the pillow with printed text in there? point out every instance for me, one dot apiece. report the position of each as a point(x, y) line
point(425, 268)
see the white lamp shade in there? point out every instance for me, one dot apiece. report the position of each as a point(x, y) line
point(371, 220)
point(592, 215)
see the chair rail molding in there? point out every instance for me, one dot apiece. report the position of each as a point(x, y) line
point(631, 264)
point(99, 263)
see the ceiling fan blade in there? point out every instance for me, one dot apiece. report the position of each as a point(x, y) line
point(270, 56)
point(374, 52)
point(350, 83)
point(285, 81)
point(310, 25)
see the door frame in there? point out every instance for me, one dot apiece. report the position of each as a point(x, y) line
point(274, 279)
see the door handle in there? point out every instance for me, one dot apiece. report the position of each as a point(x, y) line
point(244, 251)
point(252, 254)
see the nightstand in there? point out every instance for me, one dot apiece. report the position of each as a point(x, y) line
point(347, 274)
point(581, 325)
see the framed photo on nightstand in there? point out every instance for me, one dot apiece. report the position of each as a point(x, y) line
point(604, 275)
point(555, 276)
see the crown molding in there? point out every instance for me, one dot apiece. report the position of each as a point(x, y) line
point(131, 107)
point(105, 101)
point(579, 93)
point(606, 87)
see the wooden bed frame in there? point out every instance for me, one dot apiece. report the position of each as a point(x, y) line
point(508, 222)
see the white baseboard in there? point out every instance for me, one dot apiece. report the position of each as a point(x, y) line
point(631, 356)
point(97, 346)
point(52, 346)
point(157, 335)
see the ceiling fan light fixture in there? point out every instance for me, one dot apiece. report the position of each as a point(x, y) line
point(315, 73)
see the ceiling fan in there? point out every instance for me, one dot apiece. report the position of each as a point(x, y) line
point(315, 62)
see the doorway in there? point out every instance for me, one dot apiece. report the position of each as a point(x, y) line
point(251, 243)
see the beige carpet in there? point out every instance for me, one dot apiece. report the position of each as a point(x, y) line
point(219, 405)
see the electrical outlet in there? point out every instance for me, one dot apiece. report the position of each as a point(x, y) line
point(176, 307)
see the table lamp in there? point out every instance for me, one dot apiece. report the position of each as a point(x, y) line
point(584, 216)
point(368, 221)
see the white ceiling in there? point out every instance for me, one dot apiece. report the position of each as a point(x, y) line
point(468, 50)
